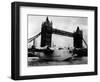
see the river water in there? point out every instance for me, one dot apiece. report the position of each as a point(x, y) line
point(74, 61)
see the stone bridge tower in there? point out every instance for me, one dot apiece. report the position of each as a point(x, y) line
point(78, 38)
point(46, 33)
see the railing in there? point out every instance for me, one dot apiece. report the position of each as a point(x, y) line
point(33, 38)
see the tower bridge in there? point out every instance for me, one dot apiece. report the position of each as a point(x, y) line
point(46, 35)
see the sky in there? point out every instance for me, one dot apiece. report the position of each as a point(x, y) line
point(65, 23)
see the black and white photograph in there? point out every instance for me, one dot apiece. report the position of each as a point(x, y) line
point(53, 40)
point(57, 40)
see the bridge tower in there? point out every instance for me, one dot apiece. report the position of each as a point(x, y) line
point(78, 37)
point(46, 33)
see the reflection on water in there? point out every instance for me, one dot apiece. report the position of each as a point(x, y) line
point(75, 61)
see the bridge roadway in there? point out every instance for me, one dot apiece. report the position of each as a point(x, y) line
point(61, 32)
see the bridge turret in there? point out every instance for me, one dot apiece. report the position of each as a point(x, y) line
point(46, 33)
point(78, 36)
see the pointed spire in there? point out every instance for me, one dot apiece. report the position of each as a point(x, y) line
point(47, 19)
point(78, 29)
